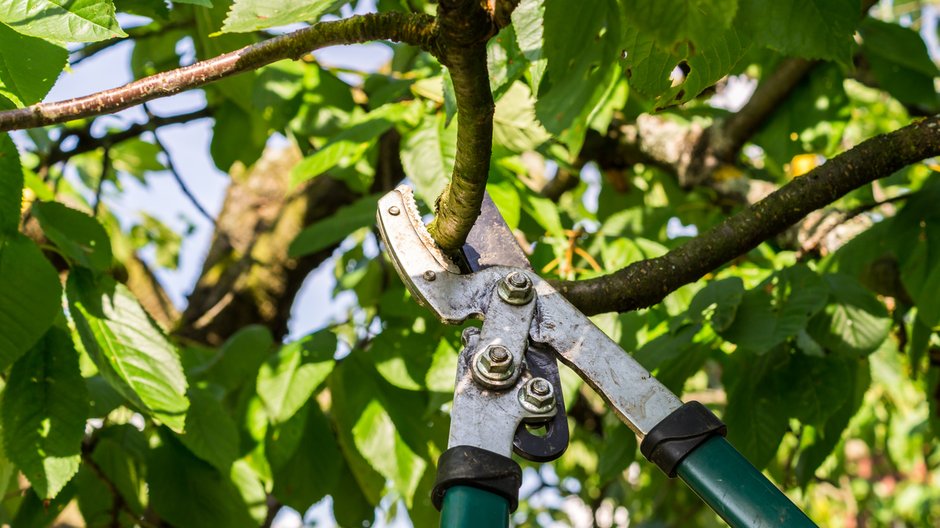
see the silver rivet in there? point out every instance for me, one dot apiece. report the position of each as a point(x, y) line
point(429, 275)
point(394, 210)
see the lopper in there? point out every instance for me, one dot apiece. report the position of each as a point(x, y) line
point(507, 381)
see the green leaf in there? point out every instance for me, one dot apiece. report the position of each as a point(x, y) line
point(826, 438)
point(120, 455)
point(334, 229)
point(29, 66)
point(289, 378)
point(35, 512)
point(765, 320)
point(755, 415)
point(717, 302)
point(514, 124)
point(293, 467)
point(854, 322)
point(505, 63)
point(30, 297)
point(210, 433)
point(380, 443)
point(900, 63)
point(581, 46)
point(238, 136)
point(395, 357)
point(11, 187)
point(203, 3)
point(43, 409)
point(155, 54)
point(153, 9)
point(77, 235)
point(189, 493)
point(348, 147)
point(209, 43)
point(63, 20)
point(240, 357)
point(813, 29)
point(131, 352)
point(427, 155)
point(618, 450)
point(672, 21)
point(136, 157)
point(252, 15)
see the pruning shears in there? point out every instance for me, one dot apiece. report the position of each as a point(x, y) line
point(507, 381)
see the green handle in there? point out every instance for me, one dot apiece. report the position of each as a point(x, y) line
point(468, 507)
point(736, 490)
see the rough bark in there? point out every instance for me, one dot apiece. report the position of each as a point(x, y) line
point(647, 282)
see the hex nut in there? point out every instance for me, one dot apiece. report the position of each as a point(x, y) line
point(496, 359)
point(516, 288)
point(537, 395)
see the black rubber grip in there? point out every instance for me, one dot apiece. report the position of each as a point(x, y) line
point(679, 434)
point(473, 466)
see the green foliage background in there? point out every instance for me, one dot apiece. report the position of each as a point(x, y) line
point(826, 374)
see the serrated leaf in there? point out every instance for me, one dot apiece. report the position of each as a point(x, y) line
point(189, 493)
point(765, 320)
point(131, 352)
point(210, 433)
point(514, 124)
point(289, 378)
point(854, 322)
point(900, 62)
point(29, 66)
point(293, 462)
point(717, 302)
point(43, 409)
point(11, 186)
point(755, 417)
point(427, 155)
point(252, 15)
point(813, 29)
point(240, 357)
point(78, 236)
point(334, 229)
point(348, 147)
point(380, 443)
point(62, 21)
point(30, 297)
point(672, 21)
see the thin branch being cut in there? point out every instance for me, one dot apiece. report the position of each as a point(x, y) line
point(418, 30)
point(465, 26)
point(647, 282)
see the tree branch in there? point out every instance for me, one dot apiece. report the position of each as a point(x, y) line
point(647, 282)
point(464, 28)
point(418, 30)
point(88, 143)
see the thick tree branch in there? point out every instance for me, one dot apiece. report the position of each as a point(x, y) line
point(647, 282)
point(418, 30)
point(465, 26)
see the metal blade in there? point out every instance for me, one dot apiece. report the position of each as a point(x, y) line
point(491, 242)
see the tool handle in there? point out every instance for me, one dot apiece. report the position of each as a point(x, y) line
point(736, 490)
point(469, 507)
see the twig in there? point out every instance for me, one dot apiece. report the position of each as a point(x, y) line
point(88, 143)
point(812, 245)
point(418, 30)
point(647, 282)
point(105, 168)
point(176, 175)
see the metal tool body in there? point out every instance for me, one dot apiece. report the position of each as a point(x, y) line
point(507, 378)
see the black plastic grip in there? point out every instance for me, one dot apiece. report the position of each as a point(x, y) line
point(473, 466)
point(679, 434)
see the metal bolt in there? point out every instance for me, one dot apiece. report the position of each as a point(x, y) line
point(516, 288)
point(469, 333)
point(537, 395)
point(394, 210)
point(429, 275)
point(496, 359)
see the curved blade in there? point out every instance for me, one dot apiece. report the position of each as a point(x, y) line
point(491, 242)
